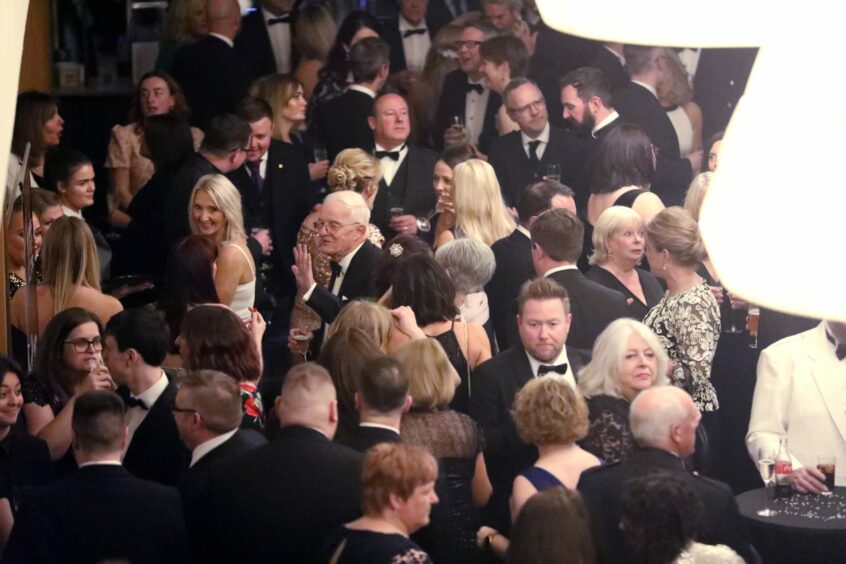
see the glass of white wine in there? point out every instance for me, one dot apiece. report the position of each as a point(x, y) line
point(766, 466)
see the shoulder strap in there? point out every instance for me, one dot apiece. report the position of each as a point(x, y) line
point(467, 348)
point(243, 252)
point(336, 556)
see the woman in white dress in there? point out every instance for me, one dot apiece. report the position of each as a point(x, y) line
point(676, 96)
point(215, 212)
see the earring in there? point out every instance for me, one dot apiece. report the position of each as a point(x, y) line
point(664, 267)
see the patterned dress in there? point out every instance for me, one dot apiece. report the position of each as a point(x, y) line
point(688, 325)
point(609, 436)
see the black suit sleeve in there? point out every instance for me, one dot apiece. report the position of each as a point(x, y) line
point(487, 408)
point(326, 304)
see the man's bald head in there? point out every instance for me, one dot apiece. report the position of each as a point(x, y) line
point(224, 17)
point(665, 417)
point(308, 398)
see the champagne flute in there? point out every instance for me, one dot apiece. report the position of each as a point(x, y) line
point(766, 467)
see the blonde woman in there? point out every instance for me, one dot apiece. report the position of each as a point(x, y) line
point(618, 247)
point(676, 97)
point(453, 438)
point(627, 359)
point(696, 193)
point(71, 278)
point(215, 213)
point(478, 209)
point(314, 34)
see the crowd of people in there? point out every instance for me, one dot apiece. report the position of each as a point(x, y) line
point(474, 239)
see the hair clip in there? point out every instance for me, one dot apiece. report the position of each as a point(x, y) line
point(395, 250)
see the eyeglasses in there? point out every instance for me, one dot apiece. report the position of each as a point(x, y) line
point(332, 226)
point(467, 43)
point(82, 345)
point(536, 105)
point(175, 409)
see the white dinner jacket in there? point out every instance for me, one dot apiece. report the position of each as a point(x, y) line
point(801, 393)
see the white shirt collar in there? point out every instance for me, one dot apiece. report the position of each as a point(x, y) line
point(101, 463)
point(608, 119)
point(524, 231)
point(379, 426)
point(543, 136)
point(362, 89)
point(268, 16)
point(404, 24)
point(647, 86)
point(151, 395)
point(203, 449)
point(560, 359)
point(72, 213)
point(559, 269)
point(224, 39)
point(620, 57)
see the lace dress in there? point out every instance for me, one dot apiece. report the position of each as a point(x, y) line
point(609, 436)
point(688, 325)
point(455, 440)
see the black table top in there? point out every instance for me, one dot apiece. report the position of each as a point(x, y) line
point(801, 511)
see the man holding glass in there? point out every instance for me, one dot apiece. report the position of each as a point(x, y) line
point(800, 396)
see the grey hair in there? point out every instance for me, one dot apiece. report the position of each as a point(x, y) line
point(655, 411)
point(610, 222)
point(601, 375)
point(469, 263)
point(359, 212)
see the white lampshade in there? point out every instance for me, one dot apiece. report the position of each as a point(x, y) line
point(12, 26)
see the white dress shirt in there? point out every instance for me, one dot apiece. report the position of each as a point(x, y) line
point(415, 46)
point(475, 105)
point(567, 377)
point(648, 87)
point(608, 119)
point(559, 269)
point(390, 166)
point(204, 448)
point(379, 426)
point(362, 89)
point(149, 396)
point(71, 213)
point(543, 138)
point(280, 42)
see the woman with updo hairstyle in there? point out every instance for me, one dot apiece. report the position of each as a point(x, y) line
point(213, 337)
point(618, 247)
point(687, 319)
point(37, 122)
point(623, 170)
point(314, 33)
point(71, 278)
point(478, 209)
point(16, 247)
point(454, 439)
point(397, 494)
point(627, 359)
point(538, 536)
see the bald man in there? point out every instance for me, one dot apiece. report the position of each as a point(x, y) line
point(663, 420)
point(288, 495)
point(212, 75)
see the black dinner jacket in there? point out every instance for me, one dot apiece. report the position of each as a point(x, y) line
point(194, 489)
point(513, 255)
point(359, 282)
point(362, 438)
point(213, 77)
point(253, 44)
point(515, 172)
point(99, 513)
point(719, 82)
point(342, 122)
point(652, 290)
point(155, 452)
point(179, 197)
point(638, 105)
point(287, 495)
point(602, 486)
point(411, 190)
point(495, 385)
point(452, 103)
point(24, 462)
point(611, 67)
point(592, 305)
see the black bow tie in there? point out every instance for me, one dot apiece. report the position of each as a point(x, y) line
point(393, 155)
point(557, 368)
point(477, 87)
point(839, 350)
point(417, 31)
point(336, 268)
point(134, 402)
point(285, 18)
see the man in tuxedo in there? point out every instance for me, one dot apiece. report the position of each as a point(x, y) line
point(136, 343)
point(514, 254)
point(207, 412)
point(522, 157)
point(299, 487)
point(406, 170)
point(410, 36)
point(101, 512)
point(799, 398)
point(466, 97)
point(719, 80)
point(557, 237)
point(223, 150)
point(663, 422)
point(381, 399)
point(343, 227)
point(342, 122)
point(609, 58)
point(544, 322)
point(212, 75)
point(265, 40)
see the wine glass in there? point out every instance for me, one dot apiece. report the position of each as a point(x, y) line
point(553, 172)
point(766, 467)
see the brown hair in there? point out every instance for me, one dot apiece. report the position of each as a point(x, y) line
point(549, 411)
point(560, 233)
point(394, 468)
point(507, 49)
point(215, 396)
point(32, 111)
point(69, 258)
point(675, 230)
point(542, 289)
point(217, 339)
point(277, 90)
point(180, 106)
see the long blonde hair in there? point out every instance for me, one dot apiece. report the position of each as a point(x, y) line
point(277, 90)
point(226, 197)
point(70, 260)
point(479, 210)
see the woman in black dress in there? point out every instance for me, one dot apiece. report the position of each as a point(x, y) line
point(397, 492)
point(618, 247)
